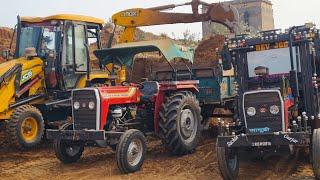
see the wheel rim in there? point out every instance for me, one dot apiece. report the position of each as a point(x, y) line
point(188, 125)
point(134, 152)
point(232, 159)
point(72, 150)
point(29, 129)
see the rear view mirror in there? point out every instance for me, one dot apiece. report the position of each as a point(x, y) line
point(226, 59)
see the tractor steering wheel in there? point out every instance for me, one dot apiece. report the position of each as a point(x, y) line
point(126, 83)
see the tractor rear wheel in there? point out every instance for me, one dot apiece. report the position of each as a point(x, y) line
point(26, 127)
point(316, 153)
point(68, 151)
point(228, 162)
point(180, 122)
point(131, 151)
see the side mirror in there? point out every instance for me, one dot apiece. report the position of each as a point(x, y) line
point(5, 54)
point(226, 59)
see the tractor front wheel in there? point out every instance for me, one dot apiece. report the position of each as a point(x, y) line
point(180, 123)
point(228, 162)
point(26, 127)
point(68, 151)
point(316, 153)
point(131, 151)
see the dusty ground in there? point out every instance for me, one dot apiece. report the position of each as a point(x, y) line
point(100, 163)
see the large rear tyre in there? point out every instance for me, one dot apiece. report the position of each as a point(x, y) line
point(131, 151)
point(26, 127)
point(228, 162)
point(316, 153)
point(179, 123)
point(68, 151)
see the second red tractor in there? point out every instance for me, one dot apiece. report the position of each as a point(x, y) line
point(119, 116)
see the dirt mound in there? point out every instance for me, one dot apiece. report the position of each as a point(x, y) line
point(205, 57)
point(5, 39)
point(206, 50)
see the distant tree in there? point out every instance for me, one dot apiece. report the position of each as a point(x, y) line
point(164, 36)
point(189, 38)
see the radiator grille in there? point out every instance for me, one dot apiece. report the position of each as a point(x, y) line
point(84, 118)
point(264, 119)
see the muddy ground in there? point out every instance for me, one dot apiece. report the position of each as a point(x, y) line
point(98, 163)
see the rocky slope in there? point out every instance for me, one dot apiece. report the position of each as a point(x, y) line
point(5, 39)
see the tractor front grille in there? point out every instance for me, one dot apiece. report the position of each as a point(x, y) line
point(263, 121)
point(85, 118)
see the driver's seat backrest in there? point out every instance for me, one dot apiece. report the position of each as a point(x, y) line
point(150, 88)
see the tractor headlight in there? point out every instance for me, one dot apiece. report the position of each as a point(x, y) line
point(274, 109)
point(76, 105)
point(251, 111)
point(91, 105)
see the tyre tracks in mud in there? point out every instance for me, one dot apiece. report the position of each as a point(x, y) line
point(159, 164)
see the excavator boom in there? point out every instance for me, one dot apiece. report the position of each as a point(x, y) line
point(221, 13)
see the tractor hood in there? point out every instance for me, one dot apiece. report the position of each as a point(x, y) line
point(25, 63)
point(127, 51)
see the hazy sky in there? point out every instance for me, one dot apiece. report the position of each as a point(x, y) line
point(286, 12)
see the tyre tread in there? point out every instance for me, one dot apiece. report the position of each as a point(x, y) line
point(13, 124)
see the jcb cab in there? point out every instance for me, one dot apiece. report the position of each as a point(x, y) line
point(117, 116)
point(277, 78)
point(51, 58)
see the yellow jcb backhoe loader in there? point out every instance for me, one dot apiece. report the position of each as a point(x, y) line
point(51, 58)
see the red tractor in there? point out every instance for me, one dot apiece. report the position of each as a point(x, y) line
point(120, 115)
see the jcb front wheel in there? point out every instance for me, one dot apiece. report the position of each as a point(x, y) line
point(26, 127)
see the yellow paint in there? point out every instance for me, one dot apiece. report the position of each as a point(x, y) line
point(29, 129)
point(5, 115)
point(7, 88)
point(127, 35)
point(71, 17)
point(37, 88)
point(223, 87)
point(7, 97)
point(277, 45)
point(131, 91)
point(93, 76)
point(122, 75)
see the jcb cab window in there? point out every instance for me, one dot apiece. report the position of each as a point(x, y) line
point(78, 57)
point(80, 49)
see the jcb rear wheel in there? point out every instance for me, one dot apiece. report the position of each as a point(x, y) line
point(316, 153)
point(26, 127)
point(179, 123)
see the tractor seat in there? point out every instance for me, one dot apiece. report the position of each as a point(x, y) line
point(150, 89)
